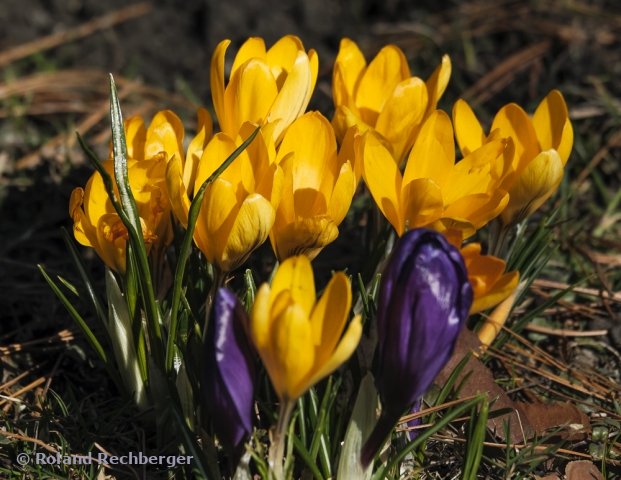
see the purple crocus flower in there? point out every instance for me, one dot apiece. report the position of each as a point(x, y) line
point(424, 301)
point(229, 372)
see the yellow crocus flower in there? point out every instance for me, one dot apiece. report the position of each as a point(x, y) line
point(542, 144)
point(265, 86)
point(318, 188)
point(383, 95)
point(298, 338)
point(96, 224)
point(486, 273)
point(434, 191)
point(239, 207)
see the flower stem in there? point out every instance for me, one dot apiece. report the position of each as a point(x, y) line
point(277, 447)
point(219, 278)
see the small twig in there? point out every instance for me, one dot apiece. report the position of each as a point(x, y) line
point(23, 390)
point(559, 332)
point(13, 381)
point(25, 438)
point(592, 292)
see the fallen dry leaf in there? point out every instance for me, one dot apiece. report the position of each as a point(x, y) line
point(582, 470)
point(571, 422)
point(480, 380)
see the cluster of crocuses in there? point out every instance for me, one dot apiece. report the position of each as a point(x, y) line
point(294, 183)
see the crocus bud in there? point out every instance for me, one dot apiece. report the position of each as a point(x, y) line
point(424, 301)
point(229, 372)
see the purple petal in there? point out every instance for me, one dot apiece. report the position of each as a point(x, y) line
point(229, 372)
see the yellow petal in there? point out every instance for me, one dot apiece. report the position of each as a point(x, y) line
point(379, 80)
point(177, 192)
point(329, 316)
point(344, 119)
point(492, 325)
point(112, 239)
point(248, 96)
point(453, 228)
point(422, 203)
point(347, 152)
point(217, 78)
point(135, 137)
point(291, 100)
point(254, 47)
point(501, 290)
point(473, 174)
point(382, 177)
point(215, 153)
point(83, 231)
point(437, 82)
point(295, 275)
point(433, 154)
point(512, 121)
point(477, 209)
point(483, 270)
point(196, 147)
point(468, 130)
point(314, 66)
point(216, 218)
point(534, 185)
point(348, 67)
point(552, 125)
point(250, 229)
point(311, 139)
point(304, 236)
point(261, 150)
point(286, 209)
point(165, 134)
point(260, 325)
point(345, 348)
point(282, 55)
point(342, 194)
point(270, 184)
point(401, 115)
point(293, 351)
point(96, 201)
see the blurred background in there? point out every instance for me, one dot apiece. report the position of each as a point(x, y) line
point(55, 56)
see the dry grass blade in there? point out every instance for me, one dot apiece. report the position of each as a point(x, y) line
point(517, 446)
point(531, 360)
point(101, 23)
point(60, 338)
point(25, 438)
point(504, 73)
point(558, 332)
point(613, 142)
point(15, 396)
point(80, 91)
point(592, 292)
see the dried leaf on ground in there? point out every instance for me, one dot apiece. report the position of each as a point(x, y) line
point(582, 470)
point(480, 379)
point(573, 423)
